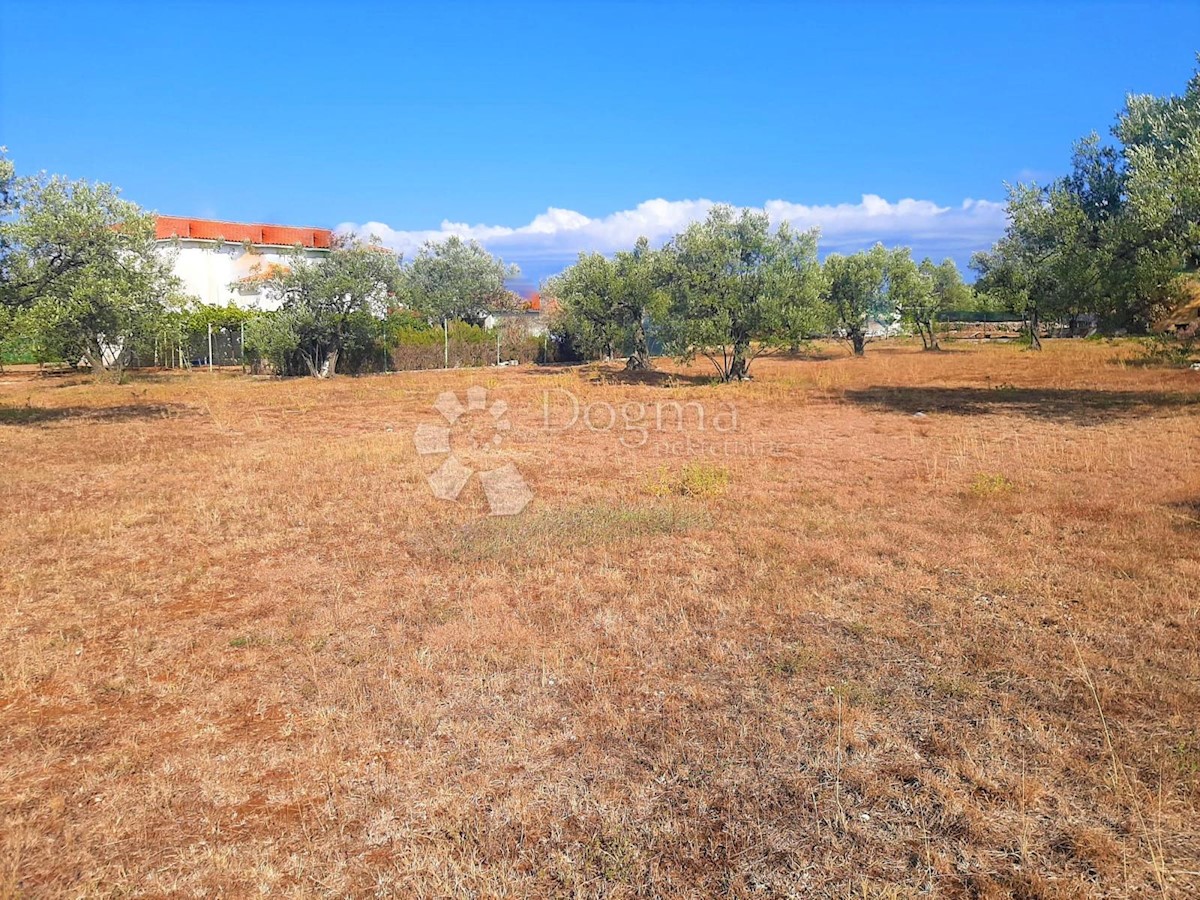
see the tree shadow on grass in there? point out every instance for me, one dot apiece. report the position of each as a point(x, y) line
point(41, 415)
point(658, 378)
point(1078, 407)
point(615, 373)
point(1185, 512)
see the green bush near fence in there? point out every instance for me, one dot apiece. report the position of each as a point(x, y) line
point(17, 350)
point(419, 345)
point(397, 343)
point(400, 342)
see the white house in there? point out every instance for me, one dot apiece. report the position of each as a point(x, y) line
point(532, 315)
point(227, 262)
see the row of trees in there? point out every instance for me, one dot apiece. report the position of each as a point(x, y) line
point(1113, 241)
point(82, 278)
point(361, 292)
point(730, 288)
point(1115, 237)
point(81, 273)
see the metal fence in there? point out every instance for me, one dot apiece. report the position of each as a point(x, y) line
point(225, 347)
point(222, 346)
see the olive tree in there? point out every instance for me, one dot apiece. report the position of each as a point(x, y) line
point(795, 283)
point(457, 279)
point(587, 291)
point(611, 304)
point(80, 272)
point(330, 305)
point(1161, 137)
point(737, 289)
point(1046, 266)
point(947, 291)
point(920, 292)
point(910, 293)
point(1117, 234)
point(856, 293)
point(640, 298)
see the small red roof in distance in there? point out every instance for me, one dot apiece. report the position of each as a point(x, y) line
point(271, 235)
point(535, 302)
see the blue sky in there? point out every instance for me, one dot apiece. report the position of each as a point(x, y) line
point(545, 128)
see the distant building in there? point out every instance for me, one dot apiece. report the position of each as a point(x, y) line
point(228, 262)
point(532, 315)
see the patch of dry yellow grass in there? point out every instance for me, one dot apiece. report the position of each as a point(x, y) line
point(245, 650)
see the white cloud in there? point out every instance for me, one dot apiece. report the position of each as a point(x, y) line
point(555, 237)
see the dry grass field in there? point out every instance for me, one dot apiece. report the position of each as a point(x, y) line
point(917, 624)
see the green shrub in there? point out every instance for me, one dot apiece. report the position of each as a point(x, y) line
point(991, 485)
point(1167, 350)
point(693, 480)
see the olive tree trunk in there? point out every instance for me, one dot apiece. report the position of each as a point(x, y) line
point(640, 360)
point(933, 342)
point(739, 363)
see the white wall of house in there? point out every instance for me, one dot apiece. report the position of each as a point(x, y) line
point(216, 273)
point(533, 323)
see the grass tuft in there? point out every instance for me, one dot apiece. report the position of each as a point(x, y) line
point(697, 479)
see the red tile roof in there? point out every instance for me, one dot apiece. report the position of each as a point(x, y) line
point(533, 301)
point(536, 303)
point(210, 230)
